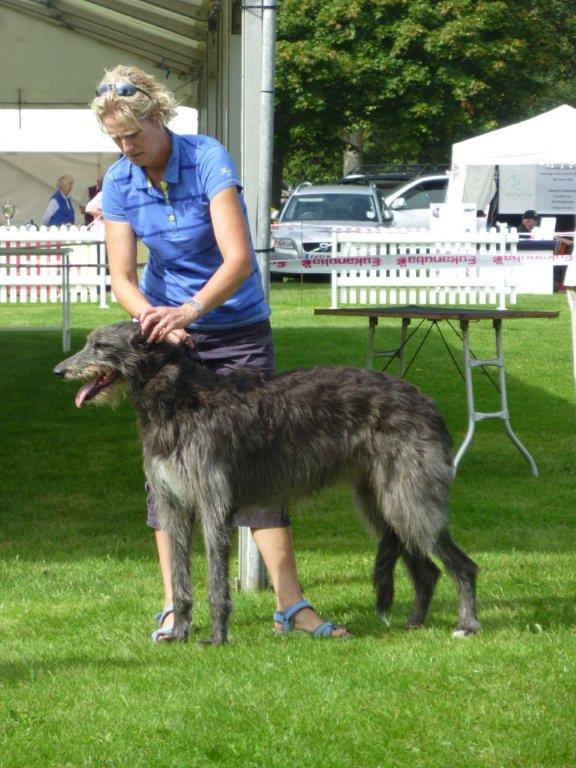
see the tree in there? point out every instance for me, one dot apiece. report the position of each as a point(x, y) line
point(407, 77)
point(558, 84)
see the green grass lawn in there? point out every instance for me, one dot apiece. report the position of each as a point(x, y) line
point(82, 685)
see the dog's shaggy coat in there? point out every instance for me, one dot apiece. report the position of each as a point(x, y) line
point(213, 444)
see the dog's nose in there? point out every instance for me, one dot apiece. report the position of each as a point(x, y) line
point(59, 371)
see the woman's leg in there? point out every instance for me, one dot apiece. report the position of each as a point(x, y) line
point(276, 548)
point(275, 545)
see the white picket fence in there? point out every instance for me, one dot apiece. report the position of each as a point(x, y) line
point(423, 268)
point(29, 274)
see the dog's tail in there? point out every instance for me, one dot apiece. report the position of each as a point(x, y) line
point(407, 489)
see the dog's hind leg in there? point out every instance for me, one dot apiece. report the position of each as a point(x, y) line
point(217, 541)
point(389, 550)
point(424, 575)
point(464, 571)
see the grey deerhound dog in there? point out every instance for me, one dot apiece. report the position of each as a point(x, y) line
point(213, 444)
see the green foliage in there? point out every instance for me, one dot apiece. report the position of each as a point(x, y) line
point(412, 75)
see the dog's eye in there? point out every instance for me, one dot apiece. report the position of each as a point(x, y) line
point(100, 345)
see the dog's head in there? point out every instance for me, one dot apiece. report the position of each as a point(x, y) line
point(112, 356)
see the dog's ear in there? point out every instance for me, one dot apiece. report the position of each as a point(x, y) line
point(131, 332)
point(138, 339)
point(163, 350)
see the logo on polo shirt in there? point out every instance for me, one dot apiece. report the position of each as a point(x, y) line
point(226, 171)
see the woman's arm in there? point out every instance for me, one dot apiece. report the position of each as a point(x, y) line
point(232, 237)
point(121, 248)
point(51, 209)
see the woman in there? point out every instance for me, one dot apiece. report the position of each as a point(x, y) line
point(181, 195)
point(60, 209)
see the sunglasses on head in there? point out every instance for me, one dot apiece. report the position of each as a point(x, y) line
point(122, 88)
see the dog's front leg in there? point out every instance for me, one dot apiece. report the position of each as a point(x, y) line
point(180, 532)
point(217, 541)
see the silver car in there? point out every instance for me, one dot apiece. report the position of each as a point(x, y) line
point(301, 238)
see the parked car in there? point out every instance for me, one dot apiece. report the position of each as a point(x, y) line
point(389, 177)
point(301, 237)
point(411, 201)
point(407, 189)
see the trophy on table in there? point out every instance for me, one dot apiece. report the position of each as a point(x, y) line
point(9, 210)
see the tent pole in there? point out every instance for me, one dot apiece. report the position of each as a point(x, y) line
point(252, 573)
point(269, 9)
point(493, 213)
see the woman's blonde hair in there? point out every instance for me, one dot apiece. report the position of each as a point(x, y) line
point(159, 103)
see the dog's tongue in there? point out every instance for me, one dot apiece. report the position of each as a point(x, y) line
point(85, 391)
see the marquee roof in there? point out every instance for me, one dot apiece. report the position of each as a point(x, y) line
point(167, 32)
point(55, 51)
point(547, 138)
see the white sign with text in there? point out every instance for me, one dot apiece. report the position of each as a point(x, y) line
point(548, 190)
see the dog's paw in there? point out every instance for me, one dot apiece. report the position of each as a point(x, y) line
point(468, 631)
point(179, 633)
point(383, 616)
point(210, 642)
point(410, 626)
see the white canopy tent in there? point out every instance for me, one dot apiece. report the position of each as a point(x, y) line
point(542, 142)
point(37, 146)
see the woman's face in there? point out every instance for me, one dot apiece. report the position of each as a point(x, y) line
point(147, 145)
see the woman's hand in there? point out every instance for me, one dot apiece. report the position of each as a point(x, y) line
point(168, 323)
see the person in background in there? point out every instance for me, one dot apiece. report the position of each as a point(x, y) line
point(181, 195)
point(60, 209)
point(89, 195)
point(93, 210)
point(529, 221)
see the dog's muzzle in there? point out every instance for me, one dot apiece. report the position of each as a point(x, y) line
point(92, 387)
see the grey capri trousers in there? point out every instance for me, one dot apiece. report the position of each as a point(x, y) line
point(249, 348)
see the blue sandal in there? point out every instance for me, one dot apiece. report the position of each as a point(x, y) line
point(162, 632)
point(286, 621)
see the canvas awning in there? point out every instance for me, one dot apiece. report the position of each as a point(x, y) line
point(35, 35)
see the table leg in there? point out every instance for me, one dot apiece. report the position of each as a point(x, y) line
point(469, 396)
point(65, 302)
point(101, 270)
point(372, 323)
point(402, 347)
point(398, 352)
point(504, 399)
point(475, 416)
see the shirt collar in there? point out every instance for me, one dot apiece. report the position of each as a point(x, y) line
point(139, 175)
point(172, 172)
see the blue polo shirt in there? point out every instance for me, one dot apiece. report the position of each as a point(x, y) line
point(176, 226)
